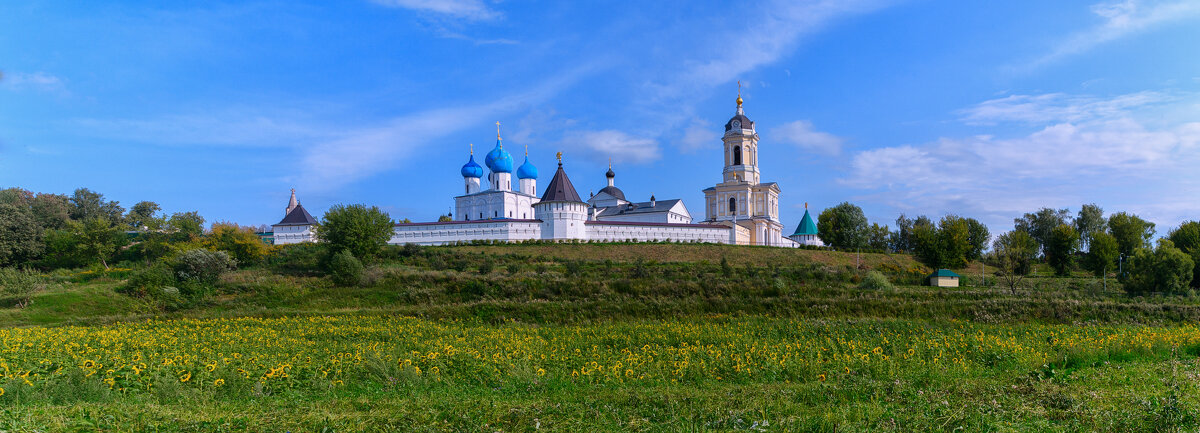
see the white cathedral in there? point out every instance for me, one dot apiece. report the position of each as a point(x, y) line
point(739, 210)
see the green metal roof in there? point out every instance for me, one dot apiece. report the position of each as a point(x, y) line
point(806, 227)
point(944, 273)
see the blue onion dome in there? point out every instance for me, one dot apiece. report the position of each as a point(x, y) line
point(472, 169)
point(527, 170)
point(499, 160)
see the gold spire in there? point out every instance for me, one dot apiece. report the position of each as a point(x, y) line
point(526, 150)
point(805, 205)
point(498, 131)
point(472, 148)
point(739, 99)
point(559, 156)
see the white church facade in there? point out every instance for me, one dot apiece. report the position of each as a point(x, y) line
point(739, 210)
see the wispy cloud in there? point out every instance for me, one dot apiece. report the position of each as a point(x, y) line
point(801, 134)
point(235, 127)
point(1087, 150)
point(1056, 107)
point(468, 9)
point(600, 146)
point(37, 81)
point(699, 135)
point(364, 152)
point(1120, 19)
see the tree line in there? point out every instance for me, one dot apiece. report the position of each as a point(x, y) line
point(1088, 240)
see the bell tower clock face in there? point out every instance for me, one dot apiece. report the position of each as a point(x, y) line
point(737, 124)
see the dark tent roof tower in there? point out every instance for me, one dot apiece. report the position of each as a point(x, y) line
point(560, 188)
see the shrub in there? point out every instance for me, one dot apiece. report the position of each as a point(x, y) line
point(485, 267)
point(297, 258)
point(1166, 270)
point(875, 281)
point(21, 284)
point(147, 280)
point(345, 269)
point(202, 266)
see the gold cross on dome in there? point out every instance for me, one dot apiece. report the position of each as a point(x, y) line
point(559, 156)
point(472, 148)
point(498, 130)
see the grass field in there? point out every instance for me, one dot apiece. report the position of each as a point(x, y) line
point(601, 338)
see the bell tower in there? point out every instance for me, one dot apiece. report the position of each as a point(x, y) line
point(741, 201)
point(741, 147)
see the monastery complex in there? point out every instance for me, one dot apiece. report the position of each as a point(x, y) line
point(741, 209)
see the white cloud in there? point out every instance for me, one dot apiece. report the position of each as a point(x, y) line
point(467, 9)
point(699, 135)
point(802, 134)
point(1121, 19)
point(600, 146)
point(1056, 107)
point(1088, 150)
point(236, 127)
point(38, 81)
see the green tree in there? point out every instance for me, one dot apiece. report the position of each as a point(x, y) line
point(185, 226)
point(1187, 238)
point(86, 204)
point(1130, 231)
point(52, 211)
point(927, 245)
point(1102, 254)
point(141, 214)
point(1061, 247)
point(1166, 269)
point(1039, 224)
point(240, 242)
point(843, 226)
point(954, 233)
point(20, 236)
point(96, 238)
point(357, 228)
point(901, 239)
point(1012, 255)
point(978, 236)
point(877, 237)
point(445, 218)
point(1088, 222)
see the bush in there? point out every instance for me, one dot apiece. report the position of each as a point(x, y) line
point(297, 258)
point(875, 281)
point(485, 267)
point(202, 266)
point(21, 284)
point(1165, 270)
point(144, 282)
point(345, 269)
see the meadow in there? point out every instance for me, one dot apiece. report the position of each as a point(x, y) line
point(600, 338)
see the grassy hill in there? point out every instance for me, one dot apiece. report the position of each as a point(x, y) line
point(599, 337)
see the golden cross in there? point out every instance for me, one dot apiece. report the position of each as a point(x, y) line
point(472, 148)
point(739, 88)
point(559, 156)
point(526, 150)
point(497, 129)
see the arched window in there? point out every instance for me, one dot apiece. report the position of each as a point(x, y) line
point(732, 205)
point(737, 155)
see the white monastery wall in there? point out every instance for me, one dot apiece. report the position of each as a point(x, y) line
point(454, 231)
point(607, 231)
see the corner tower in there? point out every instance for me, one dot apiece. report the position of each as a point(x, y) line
point(741, 200)
point(562, 212)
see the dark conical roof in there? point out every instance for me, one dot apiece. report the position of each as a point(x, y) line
point(297, 217)
point(560, 188)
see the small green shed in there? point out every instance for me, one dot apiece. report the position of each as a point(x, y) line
point(943, 278)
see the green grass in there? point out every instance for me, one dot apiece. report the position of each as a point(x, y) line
point(616, 297)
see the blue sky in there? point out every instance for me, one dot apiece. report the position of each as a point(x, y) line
point(984, 109)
